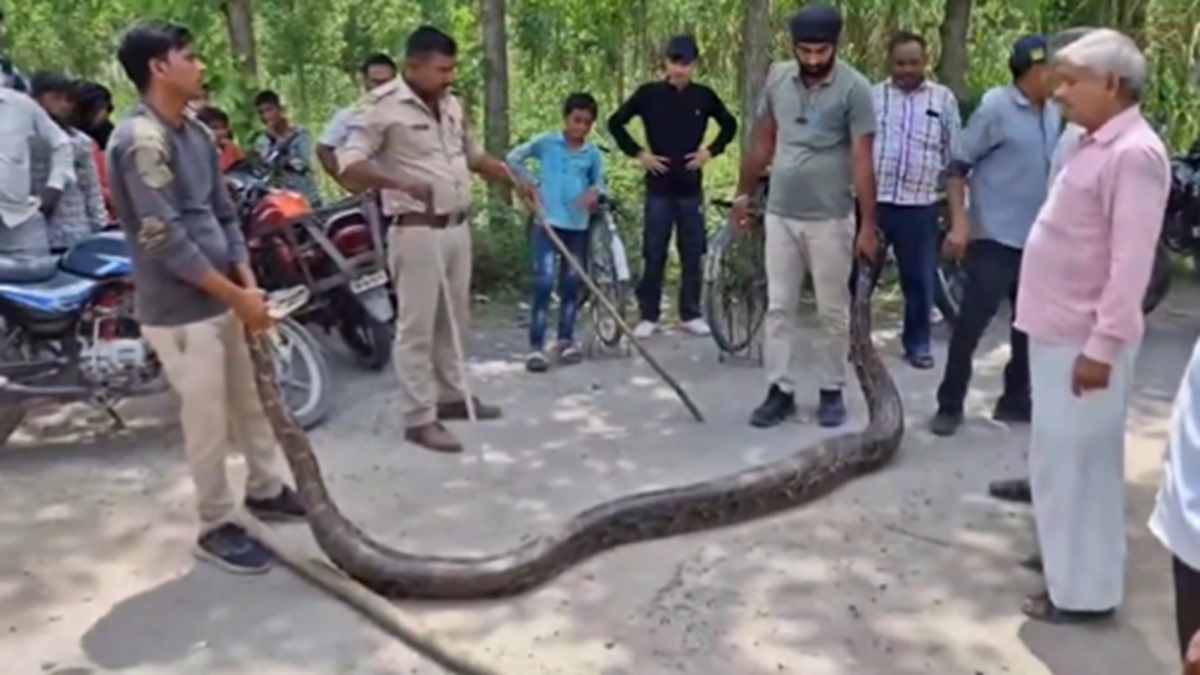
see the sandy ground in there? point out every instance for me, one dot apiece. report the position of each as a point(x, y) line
point(911, 571)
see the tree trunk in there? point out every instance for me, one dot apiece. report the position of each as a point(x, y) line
point(956, 27)
point(495, 85)
point(756, 59)
point(239, 19)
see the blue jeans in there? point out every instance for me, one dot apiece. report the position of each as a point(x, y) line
point(684, 216)
point(545, 255)
point(912, 231)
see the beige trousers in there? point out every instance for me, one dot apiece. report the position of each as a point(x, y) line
point(794, 248)
point(424, 354)
point(208, 365)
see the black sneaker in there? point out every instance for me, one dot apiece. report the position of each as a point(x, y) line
point(778, 406)
point(230, 547)
point(831, 411)
point(285, 506)
point(946, 423)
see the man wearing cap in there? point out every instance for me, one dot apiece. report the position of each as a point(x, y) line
point(675, 112)
point(815, 129)
point(1004, 154)
point(1017, 489)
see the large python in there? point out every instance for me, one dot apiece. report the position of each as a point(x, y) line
point(759, 491)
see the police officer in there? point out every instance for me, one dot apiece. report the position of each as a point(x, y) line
point(423, 149)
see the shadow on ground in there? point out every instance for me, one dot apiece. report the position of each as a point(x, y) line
point(908, 571)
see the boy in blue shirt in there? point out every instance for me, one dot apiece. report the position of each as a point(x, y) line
point(570, 182)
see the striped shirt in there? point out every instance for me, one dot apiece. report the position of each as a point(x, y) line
point(912, 141)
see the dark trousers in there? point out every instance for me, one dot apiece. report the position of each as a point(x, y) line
point(685, 217)
point(913, 232)
point(992, 270)
point(545, 255)
point(1187, 603)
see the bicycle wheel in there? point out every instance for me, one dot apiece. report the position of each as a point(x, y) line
point(602, 268)
point(735, 288)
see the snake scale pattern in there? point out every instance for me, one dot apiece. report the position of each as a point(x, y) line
point(752, 493)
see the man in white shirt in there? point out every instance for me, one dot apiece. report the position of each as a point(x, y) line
point(377, 70)
point(23, 213)
point(1176, 518)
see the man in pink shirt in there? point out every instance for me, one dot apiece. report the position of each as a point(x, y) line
point(1086, 267)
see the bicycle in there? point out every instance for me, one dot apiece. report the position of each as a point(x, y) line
point(735, 283)
point(608, 265)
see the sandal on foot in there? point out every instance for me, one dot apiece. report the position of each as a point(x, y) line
point(1041, 608)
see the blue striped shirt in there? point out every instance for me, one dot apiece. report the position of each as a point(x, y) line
point(564, 174)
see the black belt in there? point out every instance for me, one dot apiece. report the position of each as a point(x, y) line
point(436, 221)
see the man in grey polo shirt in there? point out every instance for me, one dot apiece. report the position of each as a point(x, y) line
point(815, 127)
point(1004, 153)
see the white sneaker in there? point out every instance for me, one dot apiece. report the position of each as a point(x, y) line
point(697, 327)
point(645, 329)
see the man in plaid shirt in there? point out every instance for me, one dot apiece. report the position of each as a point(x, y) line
point(916, 120)
point(80, 210)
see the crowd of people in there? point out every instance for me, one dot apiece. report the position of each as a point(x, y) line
point(1062, 222)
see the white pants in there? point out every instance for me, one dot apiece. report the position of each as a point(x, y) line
point(208, 364)
point(1077, 475)
point(795, 248)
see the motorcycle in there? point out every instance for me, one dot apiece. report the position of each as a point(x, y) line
point(336, 252)
point(951, 277)
point(69, 335)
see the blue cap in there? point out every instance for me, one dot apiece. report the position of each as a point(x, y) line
point(1027, 52)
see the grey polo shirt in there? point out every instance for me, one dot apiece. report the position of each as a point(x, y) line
point(1009, 144)
point(811, 177)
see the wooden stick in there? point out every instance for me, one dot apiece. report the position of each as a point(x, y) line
point(379, 610)
point(616, 315)
point(455, 334)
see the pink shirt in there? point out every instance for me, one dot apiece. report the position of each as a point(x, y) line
point(1088, 259)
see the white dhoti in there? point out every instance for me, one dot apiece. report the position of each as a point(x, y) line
point(1077, 475)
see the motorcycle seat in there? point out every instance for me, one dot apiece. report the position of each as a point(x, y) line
point(23, 268)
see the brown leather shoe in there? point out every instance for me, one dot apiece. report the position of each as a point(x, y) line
point(457, 410)
point(433, 436)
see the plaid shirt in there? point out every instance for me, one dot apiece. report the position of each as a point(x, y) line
point(80, 210)
point(912, 141)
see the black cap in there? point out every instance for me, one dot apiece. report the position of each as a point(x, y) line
point(682, 48)
point(1027, 52)
point(46, 82)
point(817, 23)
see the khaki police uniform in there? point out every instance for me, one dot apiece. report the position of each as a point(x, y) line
point(404, 137)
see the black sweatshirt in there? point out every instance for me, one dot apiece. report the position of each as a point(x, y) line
point(675, 120)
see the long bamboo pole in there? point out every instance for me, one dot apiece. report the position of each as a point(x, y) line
point(616, 315)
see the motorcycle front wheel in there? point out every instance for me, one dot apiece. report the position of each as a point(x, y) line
point(303, 374)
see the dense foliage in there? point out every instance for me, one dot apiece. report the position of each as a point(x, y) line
point(308, 51)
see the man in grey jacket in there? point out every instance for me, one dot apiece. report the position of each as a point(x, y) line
point(194, 289)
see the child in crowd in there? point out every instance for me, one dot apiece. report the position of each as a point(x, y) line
point(570, 183)
point(218, 122)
